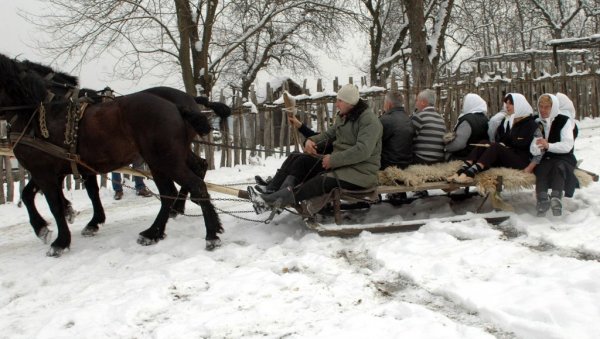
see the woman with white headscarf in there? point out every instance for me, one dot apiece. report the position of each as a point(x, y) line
point(511, 149)
point(471, 128)
point(556, 168)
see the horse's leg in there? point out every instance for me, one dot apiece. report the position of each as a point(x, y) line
point(70, 212)
point(51, 186)
point(168, 192)
point(212, 222)
point(179, 204)
point(199, 195)
point(199, 166)
point(40, 226)
point(91, 187)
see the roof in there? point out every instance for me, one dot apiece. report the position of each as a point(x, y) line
point(592, 41)
point(528, 55)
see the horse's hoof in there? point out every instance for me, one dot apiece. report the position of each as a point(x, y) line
point(212, 244)
point(45, 234)
point(55, 252)
point(142, 240)
point(70, 213)
point(89, 231)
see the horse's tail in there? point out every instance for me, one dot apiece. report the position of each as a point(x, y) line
point(197, 120)
point(221, 109)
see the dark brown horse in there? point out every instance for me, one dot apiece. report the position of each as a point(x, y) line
point(111, 135)
point(62, 85)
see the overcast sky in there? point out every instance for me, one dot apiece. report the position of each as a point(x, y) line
point(18, 38)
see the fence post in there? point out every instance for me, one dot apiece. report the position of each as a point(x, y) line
point(10, 181)
point(3, 170)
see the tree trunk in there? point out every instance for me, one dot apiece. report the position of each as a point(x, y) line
point(205, 78)
point(185, 26)
point(422, 69)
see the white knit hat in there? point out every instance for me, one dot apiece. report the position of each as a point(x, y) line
point(349, 94)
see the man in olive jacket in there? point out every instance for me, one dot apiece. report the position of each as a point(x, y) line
point(353, 164)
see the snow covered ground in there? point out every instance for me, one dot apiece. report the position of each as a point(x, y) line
point(527, 278)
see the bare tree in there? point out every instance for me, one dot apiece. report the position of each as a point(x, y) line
point(385, 23)
point(557, 14)
point(427, 27)
point(204, 39)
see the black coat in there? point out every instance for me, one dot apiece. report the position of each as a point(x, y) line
point(397, 139)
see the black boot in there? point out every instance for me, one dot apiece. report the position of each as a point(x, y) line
point(555, 203)
point(280, 199)
point(270, 185)
point(284, 196)
point(262, 182)
point(258, 203)
point(543, 204)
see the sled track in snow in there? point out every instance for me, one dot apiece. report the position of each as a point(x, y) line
point(510, 233)
point(403, 288)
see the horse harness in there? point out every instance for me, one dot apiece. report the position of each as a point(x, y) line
point(76, 108)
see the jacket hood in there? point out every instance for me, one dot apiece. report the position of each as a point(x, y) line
point(473, 103)
point(565, 105)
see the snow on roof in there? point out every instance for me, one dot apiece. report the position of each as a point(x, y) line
point(330, 94)
point(592, 40)
point(527, 54)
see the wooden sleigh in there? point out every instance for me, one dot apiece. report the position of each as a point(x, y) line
point(488, 184)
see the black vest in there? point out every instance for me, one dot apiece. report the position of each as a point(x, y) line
point(520, 136)
point(479, 128)
point(555, 128)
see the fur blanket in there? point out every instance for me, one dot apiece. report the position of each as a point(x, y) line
point(512, 179)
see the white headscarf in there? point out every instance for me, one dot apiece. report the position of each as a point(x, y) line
point(522, 109)
point(553, 112)
point(565, 105)
point(473, 103)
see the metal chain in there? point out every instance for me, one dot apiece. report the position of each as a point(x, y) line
point(43, 126)
point(231, 213)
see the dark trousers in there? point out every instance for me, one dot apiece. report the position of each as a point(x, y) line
point(300, 165)
point(551, 174)
point(420, 161)
point(499, 156)
point(319, 185)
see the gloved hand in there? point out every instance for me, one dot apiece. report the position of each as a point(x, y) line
point(448, 137)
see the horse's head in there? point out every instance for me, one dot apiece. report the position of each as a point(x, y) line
point(58, 83)
point(19, 86)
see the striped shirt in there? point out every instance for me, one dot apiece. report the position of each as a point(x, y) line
point(429, 128)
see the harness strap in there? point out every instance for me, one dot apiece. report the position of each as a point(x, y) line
point(51, 149)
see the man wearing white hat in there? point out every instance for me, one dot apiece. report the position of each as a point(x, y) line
point(353, 164)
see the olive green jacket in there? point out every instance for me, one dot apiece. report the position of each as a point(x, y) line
point(356, 142)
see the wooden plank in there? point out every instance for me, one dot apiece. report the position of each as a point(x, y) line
point(403, 226)
point(422, 187)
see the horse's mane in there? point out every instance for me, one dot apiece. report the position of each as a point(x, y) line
point(59, 78)
point(21, 84)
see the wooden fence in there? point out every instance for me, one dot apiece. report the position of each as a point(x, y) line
point(261, 129)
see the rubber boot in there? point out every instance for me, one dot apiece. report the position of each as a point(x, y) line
point(285, 196)
point(258, 203)
point(555, 203)
point(271, 185)
point(280, 199)
point(543, 204)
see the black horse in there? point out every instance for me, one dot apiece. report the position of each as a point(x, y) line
point(111, 135)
